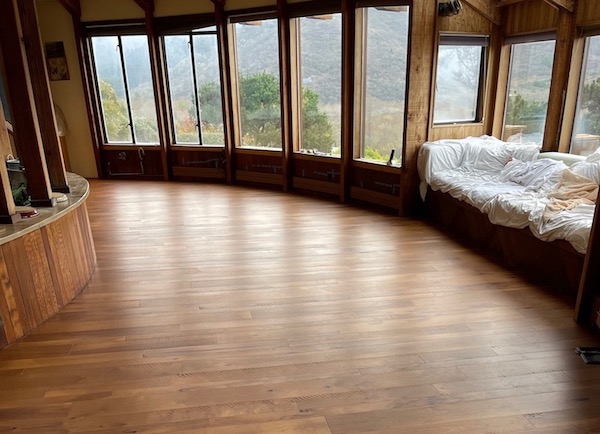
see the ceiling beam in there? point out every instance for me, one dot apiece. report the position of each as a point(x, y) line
point(147, 6)
point(485, 8)
point(564, 4)
point(72, 6)
point(559, 4)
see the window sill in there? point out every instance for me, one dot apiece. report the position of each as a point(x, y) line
point(190, 147)
point(322, 157)
point(376, 165)
point(257, 151)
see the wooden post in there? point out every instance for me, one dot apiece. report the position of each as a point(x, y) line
point(589, 284)
point(565, 37)
point(42, 96)
point(348, 37)
point(20, 94)
point(422, 42)
point(286, 93)
point(158, 84)
point(225, 70)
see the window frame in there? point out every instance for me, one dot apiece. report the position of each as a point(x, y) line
point(360, 78)
point(172, 127)
point(463, 40)
point(510, 42)
point(295, 17)
point(252, 15)
point(582, 65)
point(116, 29)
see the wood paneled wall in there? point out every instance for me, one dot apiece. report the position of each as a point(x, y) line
point(467, 21)
point(43, 270)
point(530, 17)
point(588, 13)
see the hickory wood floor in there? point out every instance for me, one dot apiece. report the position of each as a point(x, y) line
point(228, 310)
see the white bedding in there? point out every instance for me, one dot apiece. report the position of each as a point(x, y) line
point(510, 183)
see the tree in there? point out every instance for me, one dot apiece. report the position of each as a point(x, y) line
point(590, 107)
point(261, 115)
point(317, 132)
point(260, 109)
point(116, 119)
point(521, 111)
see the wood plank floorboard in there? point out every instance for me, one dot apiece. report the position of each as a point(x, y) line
point(227, 310)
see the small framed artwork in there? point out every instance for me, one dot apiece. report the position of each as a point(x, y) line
point(56, 61)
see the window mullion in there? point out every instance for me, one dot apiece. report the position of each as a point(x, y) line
point(126, 85)
point(196, 99)
point(363, 82)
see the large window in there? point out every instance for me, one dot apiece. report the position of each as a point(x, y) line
point(124, 82)
point(586, 131)
point(528, 90)
point(195, 88)
point(459, 79)
point(382, 45)
point(258, 84)
point(319, 61)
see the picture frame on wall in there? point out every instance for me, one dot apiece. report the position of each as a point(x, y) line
point(56, 61)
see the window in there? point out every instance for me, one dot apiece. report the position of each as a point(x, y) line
point(319, 60)
point(258, 83)
point(586, 131)
point(528, 90)
point(382, 42)
point(124, 80)
point(195, 87)
point(459, 79)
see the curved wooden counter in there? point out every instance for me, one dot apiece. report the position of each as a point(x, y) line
point(44, 263)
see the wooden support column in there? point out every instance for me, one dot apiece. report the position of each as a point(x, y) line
point(20, 94)
point(565, 37)
point(42, 96)
point(158, 83)
point(589, 284)
point(286, 93)
point(8, 212)
point(422, 42)
point(348, 57)
point(226, 86)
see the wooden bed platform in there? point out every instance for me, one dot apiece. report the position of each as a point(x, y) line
point(554, 264)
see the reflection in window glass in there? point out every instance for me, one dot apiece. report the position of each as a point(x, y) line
point(457, 83)
point(319, 64)
point(384, 56)
point(195, 88)
point(586, 131)
point(125, 84)
point(258, 83)
point(528, 90)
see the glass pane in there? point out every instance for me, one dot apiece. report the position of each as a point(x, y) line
point(586, 132)
point(321, 84)
point(384, 59)
point(457, 83)
point(208, 80)
point(141, 90)
point(258, 81)
point(181, 89)
point(528, 90)
point(112, 89)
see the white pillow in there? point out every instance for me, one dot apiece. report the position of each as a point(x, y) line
point(588, 169)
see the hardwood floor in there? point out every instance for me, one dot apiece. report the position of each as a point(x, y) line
point(226, 310)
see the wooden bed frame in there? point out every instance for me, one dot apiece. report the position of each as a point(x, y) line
point(554, 264)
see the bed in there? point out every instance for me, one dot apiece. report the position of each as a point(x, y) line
point(533, 209)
